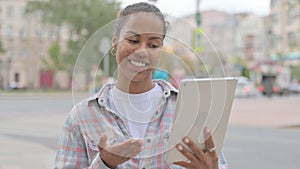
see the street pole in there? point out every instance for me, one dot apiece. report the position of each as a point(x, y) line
point(198, 19)
point(197, 39)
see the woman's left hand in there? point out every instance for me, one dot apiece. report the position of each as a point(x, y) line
point(198, 158)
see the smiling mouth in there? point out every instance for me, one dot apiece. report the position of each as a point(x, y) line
point(137, 63)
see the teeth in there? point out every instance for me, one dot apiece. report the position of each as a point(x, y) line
point(137, 63)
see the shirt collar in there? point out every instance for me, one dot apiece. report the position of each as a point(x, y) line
point(102, 95)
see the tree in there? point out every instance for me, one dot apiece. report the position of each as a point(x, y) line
point(1, 48)
point(55, 61)
point(241, 65)
point(83, 17)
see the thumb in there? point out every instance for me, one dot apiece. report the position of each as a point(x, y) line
point(103, 141)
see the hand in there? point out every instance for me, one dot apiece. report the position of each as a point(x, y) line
point(198, 158)
point(117, 154)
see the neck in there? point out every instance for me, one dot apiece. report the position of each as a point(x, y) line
point(135, 87)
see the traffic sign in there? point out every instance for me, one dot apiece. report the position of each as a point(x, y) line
point(198, 40)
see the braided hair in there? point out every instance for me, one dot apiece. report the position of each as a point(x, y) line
point(137, 8)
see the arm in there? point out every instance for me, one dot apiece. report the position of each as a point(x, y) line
point(71, 151)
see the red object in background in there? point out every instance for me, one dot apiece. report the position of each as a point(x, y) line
point(260, 88)
point(46, 79)
point(246, 89)
point(276, 89)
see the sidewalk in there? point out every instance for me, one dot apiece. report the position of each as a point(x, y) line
point(29, 142)
point(41, 94)
point(266, 112)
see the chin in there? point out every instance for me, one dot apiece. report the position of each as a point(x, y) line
point(139, 77)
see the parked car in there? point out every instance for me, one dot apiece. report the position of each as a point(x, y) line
point(245, 88)
point(15, 86)
point(295, 87)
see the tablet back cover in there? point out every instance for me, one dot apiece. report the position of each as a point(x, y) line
point(201, 103)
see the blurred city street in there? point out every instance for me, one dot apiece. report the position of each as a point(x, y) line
point(263, 132)
point(47, 50)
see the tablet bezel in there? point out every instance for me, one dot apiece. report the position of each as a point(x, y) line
point(192, 97)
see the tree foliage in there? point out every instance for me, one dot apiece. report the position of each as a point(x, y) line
point(55, 61)
point(241, 64)
point(1, 48)
point(83, 17)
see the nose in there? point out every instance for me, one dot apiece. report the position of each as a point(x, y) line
point(142, 50)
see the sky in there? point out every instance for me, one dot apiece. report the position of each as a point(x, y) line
point(181, 8)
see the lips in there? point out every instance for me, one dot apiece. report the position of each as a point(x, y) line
point(138, 63)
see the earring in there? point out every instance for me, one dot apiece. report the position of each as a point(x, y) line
point(113, 51)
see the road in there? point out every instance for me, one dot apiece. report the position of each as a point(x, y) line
point(263, 133)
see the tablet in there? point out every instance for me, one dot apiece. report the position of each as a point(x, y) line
point(201, 103)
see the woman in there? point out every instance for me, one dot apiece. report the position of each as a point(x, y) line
point(126, 125)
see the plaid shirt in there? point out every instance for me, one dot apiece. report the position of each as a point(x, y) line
point(90, 118)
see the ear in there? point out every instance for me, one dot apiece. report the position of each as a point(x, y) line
point(114, 41)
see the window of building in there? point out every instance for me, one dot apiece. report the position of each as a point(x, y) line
point(275, 41)
point(10, 52)
point(292, 2)
point(22, 12)
point(39, 34)
point(292, 16)
point(275, 20)
point(40, 53)
point(23, 52)
point(9, 32)
point(292, 39)
point(39, 15)
point(9, 11)
point(23, 34)
point(275, 3)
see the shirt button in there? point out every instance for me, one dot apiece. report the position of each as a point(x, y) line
point(115, 116)
point(167, 93)
point(148, 140)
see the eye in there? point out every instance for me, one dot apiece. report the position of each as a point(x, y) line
point(153, 46)
point(132, 41)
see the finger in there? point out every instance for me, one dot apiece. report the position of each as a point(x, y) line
point(209, 143)
point(194, 147)
point(135, 147)
point(184, 151)
point(129, 148)
point(131, 144)
point(103, 141)
point(183, 164)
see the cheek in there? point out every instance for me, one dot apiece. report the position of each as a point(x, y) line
point(124, 50)
point(121, 54)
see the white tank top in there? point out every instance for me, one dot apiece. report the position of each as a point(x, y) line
point(136, 109)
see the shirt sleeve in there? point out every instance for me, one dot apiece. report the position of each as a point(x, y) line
point(222, 162)
point(71, 152)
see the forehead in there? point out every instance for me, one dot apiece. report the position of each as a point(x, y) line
point(143, 23)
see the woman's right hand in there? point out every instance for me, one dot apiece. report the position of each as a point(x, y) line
point(117, 154)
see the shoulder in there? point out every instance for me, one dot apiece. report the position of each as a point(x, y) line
point(89, 106)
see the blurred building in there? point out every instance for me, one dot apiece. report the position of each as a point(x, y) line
point(251, 42)
point(26, 40)
point(217, 41)
point(284, 32)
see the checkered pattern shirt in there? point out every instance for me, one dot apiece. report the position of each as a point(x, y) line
point(90, 118)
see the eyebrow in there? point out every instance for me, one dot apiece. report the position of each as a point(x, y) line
point(139, 35)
